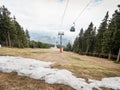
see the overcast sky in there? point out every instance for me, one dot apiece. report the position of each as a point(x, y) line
point(45, 15)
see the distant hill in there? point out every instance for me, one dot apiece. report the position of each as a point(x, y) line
point(46, 38)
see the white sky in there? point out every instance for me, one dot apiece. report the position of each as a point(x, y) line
point(45, 15)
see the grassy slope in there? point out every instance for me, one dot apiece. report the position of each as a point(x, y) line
point(82, 66)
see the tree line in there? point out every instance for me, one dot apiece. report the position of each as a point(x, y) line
point(101, 42)
point(12, 34)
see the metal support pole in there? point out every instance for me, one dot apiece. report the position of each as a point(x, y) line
point(61, 33)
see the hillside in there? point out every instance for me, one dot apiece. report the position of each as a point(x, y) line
point(81, 66)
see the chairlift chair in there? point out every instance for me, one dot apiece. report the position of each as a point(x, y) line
point(72, 29)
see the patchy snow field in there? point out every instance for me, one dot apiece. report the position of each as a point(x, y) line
point(42, 71)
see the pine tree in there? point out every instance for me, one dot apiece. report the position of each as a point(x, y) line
point(27, 37)
point(112, 35)
point(116, 34)
point(76, 45)
point(11, 33)
point(85, 42)
point(88, 37)
point(93, 40)
point(68, 47)
point(21, 40)
point(101, 30)
point(106, 41)
point(81, 41)
point(5, 26)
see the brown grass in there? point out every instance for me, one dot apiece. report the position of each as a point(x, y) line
point(14, 82)
point(81, 65)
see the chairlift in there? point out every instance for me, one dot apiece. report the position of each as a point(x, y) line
point(72, 29)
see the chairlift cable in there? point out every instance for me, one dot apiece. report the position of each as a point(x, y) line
point(82, 11)
point(72, 29)
point(64, 12)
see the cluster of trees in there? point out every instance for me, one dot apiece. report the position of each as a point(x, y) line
point(12, 33)
point(103, 42)
point(37, 44)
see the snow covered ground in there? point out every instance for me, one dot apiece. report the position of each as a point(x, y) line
point(42, 71)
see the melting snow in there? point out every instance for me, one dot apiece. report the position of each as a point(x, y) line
point(41, 70)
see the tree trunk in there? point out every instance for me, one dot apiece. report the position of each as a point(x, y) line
point(109, 55)
point(19, 43)
point(118, 57)
point(9, 40)
point(6, 41)
point(87, 49)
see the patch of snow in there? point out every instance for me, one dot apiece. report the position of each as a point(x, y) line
point(112, 82)
point(41, 70)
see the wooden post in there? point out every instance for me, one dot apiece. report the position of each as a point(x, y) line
point(118, 57)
